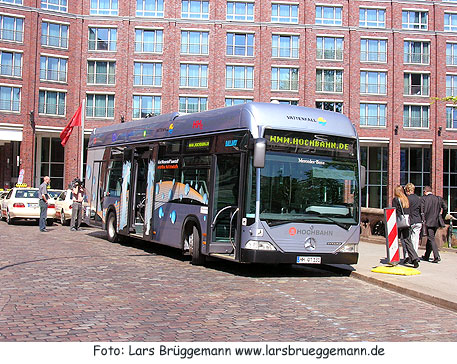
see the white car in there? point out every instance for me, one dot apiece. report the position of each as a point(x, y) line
point(63, 207)
point(3, 195)
point(23, 203)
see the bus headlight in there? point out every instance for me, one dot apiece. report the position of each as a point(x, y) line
point(349, 248)
point(259, 245)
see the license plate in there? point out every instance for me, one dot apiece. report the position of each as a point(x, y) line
point(33, 205)
point(308, 260)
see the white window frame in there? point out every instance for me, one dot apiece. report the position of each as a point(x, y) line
point(377, 23)
point(243, 100)
point(452, 17)
point(111, 63)
point(246, 45)
point(188, 14)
point(63, 41)
point(201, 45)
point(112, 11)
point(293, 52)
point(154, 110)
point(293, 84)
point(335, 21)
point(107, 95)
point(199, 101)
point(59, 68)
point(202, 75)
point(60, 94)
point(62, 7)
point(239, 16)
point(451, 53)
point(407, 89)
point(16, 33)
point(366, 50)
point(422, 119)
point(96, 42)
point(379, 117)
point(276, 16)
point(365, 85)
point(411, 55)
point(11, 100)
point(413, 25)
point(156, 8)
point(335, 83)
point(14, 66)
point(246, 80)
point(156, 45)
point(334, 108)
point(154, 76)
point(321, 51)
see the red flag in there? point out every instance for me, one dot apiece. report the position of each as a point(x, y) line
point(66, 132)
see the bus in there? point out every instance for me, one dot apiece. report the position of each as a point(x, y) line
point(250, 183)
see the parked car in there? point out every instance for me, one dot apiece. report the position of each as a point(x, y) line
point(63, 207)
point(3, 195)
point(53, 195)
point(23, 203)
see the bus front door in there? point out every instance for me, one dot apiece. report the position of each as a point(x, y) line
point(226, 217)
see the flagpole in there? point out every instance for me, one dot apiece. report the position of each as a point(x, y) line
point(83, 114)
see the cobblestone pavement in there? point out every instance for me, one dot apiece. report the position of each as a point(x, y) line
point(76, 286)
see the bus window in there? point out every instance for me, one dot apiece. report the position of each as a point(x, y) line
point(195, 177)
point(114, 179)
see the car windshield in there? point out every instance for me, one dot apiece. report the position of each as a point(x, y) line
point(26, 194)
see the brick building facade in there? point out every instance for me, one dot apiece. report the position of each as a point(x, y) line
point(379, 62)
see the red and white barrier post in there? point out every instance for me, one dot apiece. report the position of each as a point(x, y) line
point(393, 252)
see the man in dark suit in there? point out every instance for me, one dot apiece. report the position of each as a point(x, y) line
point(432, 207)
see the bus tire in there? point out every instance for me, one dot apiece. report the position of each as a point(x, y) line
point(194, 246)
point(111, 228)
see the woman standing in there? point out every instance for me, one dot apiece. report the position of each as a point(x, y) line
point(401, 204)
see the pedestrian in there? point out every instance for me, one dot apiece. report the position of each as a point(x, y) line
point(433, 207)
point(414, 215)
point(44, 197)
point(401, 204)
point(77, 206)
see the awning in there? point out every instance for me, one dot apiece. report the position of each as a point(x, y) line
point(10, 134)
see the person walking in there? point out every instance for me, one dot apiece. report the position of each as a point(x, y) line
point(401, 204)
point(43, 195)
point(77, 206)
point(414, 215)
point(433, 207)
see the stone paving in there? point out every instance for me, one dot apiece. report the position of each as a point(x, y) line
point(76, 286)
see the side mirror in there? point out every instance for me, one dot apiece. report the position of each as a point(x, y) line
point(260, 148)
point(363, 177)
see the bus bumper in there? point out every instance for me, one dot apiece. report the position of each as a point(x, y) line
point(275, 257)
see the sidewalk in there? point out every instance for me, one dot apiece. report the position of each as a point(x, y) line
point(437, 283)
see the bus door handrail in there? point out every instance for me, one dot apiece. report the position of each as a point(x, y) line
point(213, 224)
point(230, 228)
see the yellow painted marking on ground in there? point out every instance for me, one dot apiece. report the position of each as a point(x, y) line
point(400, 270)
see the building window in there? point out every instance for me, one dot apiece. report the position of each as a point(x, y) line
point(10, 98)
point(284, 13)
point(191, 104)
point(240, 11)
point(55, 5)
point(373, 50)
point(240, 44)
point(104, 7)
point(451, 54)
point(329, 15)
point(11, 28)
point(53, 69)
point(54, 35)
point(195, 9)
point(329, 80)
point(286, 102)
point(416, 84)
point(373, 82)
point(416, 52)
point(193, 42)
point(372, 114)
point(450, 22)
point(100, 106)
point(51, 103)
point(11, 63)
point(451, 117)
point(101, 72)
point(372, 18)
point(285, 46)
point(193, 75)
point(415, 165)
point(148, 41)
point(236, 101)
point(450, 178)
point(416, 116)
point(335, 106)
point(241, 77)
point(375, 160)
point(153, 8)
point(329, 48)
point(451, 85)
point(284, 79)
point(102, 39)
point(414, 19)
point(52, 161)
point(147, 74)
point(16, 2)
point(145, 106)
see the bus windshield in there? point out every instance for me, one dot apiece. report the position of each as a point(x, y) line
point(308, 188)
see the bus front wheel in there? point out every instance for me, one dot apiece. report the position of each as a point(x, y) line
point(111, 228)
point(194, 247)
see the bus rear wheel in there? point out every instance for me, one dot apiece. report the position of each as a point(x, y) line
point(194, 246)
point(111, 230)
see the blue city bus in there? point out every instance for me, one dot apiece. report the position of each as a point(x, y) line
point(251, 183)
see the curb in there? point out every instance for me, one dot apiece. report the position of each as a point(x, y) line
point(449, 305)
